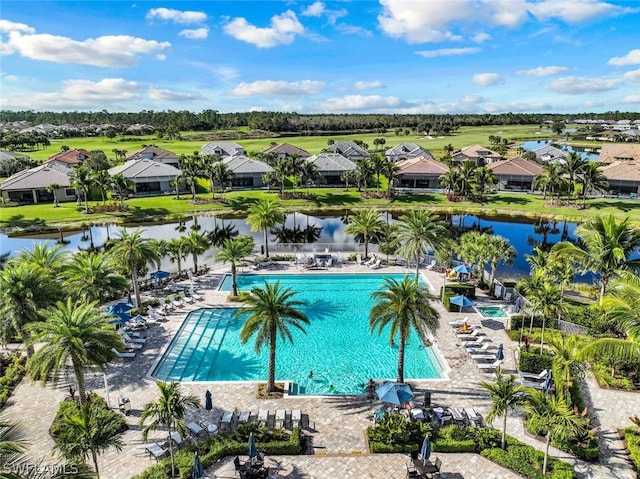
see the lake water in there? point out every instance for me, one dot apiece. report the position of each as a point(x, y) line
point(533, 145)
point(523, 235)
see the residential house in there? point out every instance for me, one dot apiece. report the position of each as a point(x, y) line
point(550, 154)
point(222, 149)
point(349, 150)
point(331, 167)
point(477, 153)
point(247, 172)
point(515, 173)
point(422, 172)
point(623, 176)
point(405, 151)
point(30, 186)
point(9, 161)
point(612, 152)
point(149, 177)
point(72, 157)
point(160, 155)
point(286, 150)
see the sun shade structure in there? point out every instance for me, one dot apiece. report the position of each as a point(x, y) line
point(159, 275)
point(461, 301)
point(463, 269)
point(394, 393)
point(253, 450)
point(119, 308)
point(500, 353)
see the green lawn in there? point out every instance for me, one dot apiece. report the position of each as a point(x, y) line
point(328, 200)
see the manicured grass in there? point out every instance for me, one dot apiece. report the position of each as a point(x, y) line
point(329, 200)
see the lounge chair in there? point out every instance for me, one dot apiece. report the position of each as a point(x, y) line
point(481, 349)
point(129, 339)
point(483, 357)
point(280, 418)
point(121, 355)
point(480, 341)
point(376, 265)
point(535, 377)
point(175, 301)
point(470, 336)
point(370, 261)
point(156, 451)
point(196, 429)
point(194, 279)
point(432, 468)
point(185, 298)
point(194, 295)
point(458, 322)
point(263, 416)
point(490, 366)
point(534, 385)
point(244, 416)
point(176, 438)
point(473, 416)
point(226, 420)
point(133, 346)
point(358, 259)
point(458, 415)
point(296, 417)
point(432, 264)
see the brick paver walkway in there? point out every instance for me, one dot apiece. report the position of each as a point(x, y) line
point(336, 425)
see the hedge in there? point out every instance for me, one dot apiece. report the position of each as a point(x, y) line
point(516, 322)
point(632, 438)
point(455, 289)
point(12, 368)
point(534, 362)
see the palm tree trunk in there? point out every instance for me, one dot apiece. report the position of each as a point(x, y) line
point(94, 456)
point(417, 267)
point(366, 246)
point(401, 358)
point(86, 201)
point(195, 263)
point(504, 430)
point(234, 283)
point(266, 244)
point(544, 322)
point(546, 453)
point(178, 260)
point(79, 374)
point(271, 380)
point(173, 464)
point(136, 290)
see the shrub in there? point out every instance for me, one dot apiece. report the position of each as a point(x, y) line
point(395, 434)
point(534, 362)
point(69, 407)
point(606, 380)
point(488, 438)
point(632, 437)
point(12, 370)
point(517, 319)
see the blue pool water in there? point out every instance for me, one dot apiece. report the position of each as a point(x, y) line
point(338, 345)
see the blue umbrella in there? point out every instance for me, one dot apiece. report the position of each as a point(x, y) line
point(253, 450)
point(425, 452)
point(500, 352)
point(548, 381)
point(463, 269)
point(208, 404)
point(118, 308)
point(198, 470)
point(159, 275)
point(121, 318)
point(394, 393)
point(461, 301)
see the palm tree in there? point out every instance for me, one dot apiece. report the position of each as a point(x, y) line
point(552, 415)
point(168, 412)
point(391, 171)
point(191, 167)
point(24, 291)
point(295, 166)
point(76, 334)
point(366, 223)
point(280, 172)
point(592, 180)
point(403, 306)
point(606, 248)
point(264, 215)
point(500, 250)
point(467, 172)
point(573, 167)
point(51, 259)
point(81, 179)
point(102, 179)
point(308, 173)
point(12, 445)
point(420, 231)
point(485, 179)
point(378, 164)
point(451, 180)
point(505, 394)
point(233, 251)
point(93, 277)
point(548, 180)
point(567, 364)
point(272, 312)
point(88, 432)
point(53, 189)
point(133, 253)
point(363, 173)
point(195, 244)
point(121, 187)
point(177, 251)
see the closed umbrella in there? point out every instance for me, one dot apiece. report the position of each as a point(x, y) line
point(425, 451)
point(198, 470)
point(463, 269)
point(208, 404)
point(394, 393)
point(253, 450)
point(118, 308)
point(548, 382)
point(500, 352)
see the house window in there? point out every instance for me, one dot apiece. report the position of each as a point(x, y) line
point(69, 192)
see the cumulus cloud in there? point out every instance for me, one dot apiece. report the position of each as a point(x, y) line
point(368, 85)
point(361, 102)
point(447, 52)
point(167, 95)
point(487, 79)
point(631, 99)
point(195, 34)
point(279, 88)
point(318, 9)
point(631, 58)
point(542, 71)
point(108, 51)
point(574, 11)
point(282, 30)
point(177, 16)
point(7, 26)
point(633, 76)
point(581, 85)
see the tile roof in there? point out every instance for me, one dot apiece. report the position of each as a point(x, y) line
point(145, 168)
point(154, 153)
point(11, 155)
point(229, 148)
point(409, 149)
point(348, 149)
point(422, 165)
point(332, 162)
point(516, 166)
point(476, 151)
point(286, 149)
point(622, 170)
point(243, 164)
point(39, 177)
point(71, 156)
point(611, 152)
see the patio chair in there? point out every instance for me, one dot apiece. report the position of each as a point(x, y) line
point(535, 377)
point(238, 466)
point(458, 416)
point(370, 261)
point(473, 417)
point(192, 277)
point(226, 420)
point(263, 417)
point(244, 416)
point(458, 322)
point(432, 264)
point(196, 429)
point(156, 451)
point(490, 366)
point(376, 265)
point(280, 418)
point(184, 298)
point(175, 301)
point(483, 357)
point(129, 339)
point(121, 355)
point(480, 341)
point(412, 472)
point(296, 417)
point(194, 295)
point(177, 439)
point(132, 346)
point(469, 336)
point(432, 468)
point(484, 347)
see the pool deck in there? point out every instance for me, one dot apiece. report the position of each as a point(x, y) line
point(335, 424)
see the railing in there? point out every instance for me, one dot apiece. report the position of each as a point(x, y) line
point(294, 248)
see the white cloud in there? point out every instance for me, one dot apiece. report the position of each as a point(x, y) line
point(78, 94)
point(196, 34)
point(580, 85)
point(481, 37)
point(368, 85)
point(506, 13)
point(279, 88)
point(7, 26)
point(631, 58)
point(108, 51)
point(487, 79)
point(446, 52)
point(593, 104)
point(316, 9)
point(353, 30)
point(574, 11)
point(177, 16)
point(8, 77)
point(360, 102)
point(542, 71)
point(633, 76)
point(167, 95)
point(282, 30)
point(631, 99)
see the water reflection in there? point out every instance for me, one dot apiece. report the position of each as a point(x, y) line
point(587, 153)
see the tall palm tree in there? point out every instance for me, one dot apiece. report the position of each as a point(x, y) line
point(50, 258)
point(548, 180)
point(505, 394)
point(102, 179)
point(93, 277)
point(467, 171)
point(76, 334)
point(192, 168)
point(363, 173)
point(420, 231)
point(168, 412)
point(403, 306)
point(195, 245)
point(606, 248)
point(177, 251)
point(485, 179)
point(378, 164)
point(308, 173)
point(295, 165)
point(366, 223)
point(567, 365)
point(263, 216)
point(121, 187)
point(53, 189)
point(573, 167)
point(551, 414)
point(133, 253)
point(24, 291)
point(233, 251)
point(592, 180)
point(549, 301)
point(500, 251)
point(280, 173)
point(271, 313)
point(391, 171)
point(82, 180)
point(88, 432)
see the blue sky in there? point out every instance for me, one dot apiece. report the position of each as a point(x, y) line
point(386, 56)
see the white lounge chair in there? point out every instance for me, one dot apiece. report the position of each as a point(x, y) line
point(129, 339)
point(192, 277)
point(296, 417)
point(122, 355)
point(484, 347)
point(132, 346)
point(244, 416)
point(175, 302)
point(226, 420)
point(458, 322)
point(370, 261)
point(483, 357)
point(490, 366)
point(194, 295)
point(470, 336)
point(358, 259)
point(473, 416)
point(280, 418)
point(263, 416)
point(479, 341)
point(535, 377)
point(376, 265)
point(532, 384)
point(185, 298)
point(432, 264)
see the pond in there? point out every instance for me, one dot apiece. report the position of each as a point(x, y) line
point(524, 235)
point(587, 153)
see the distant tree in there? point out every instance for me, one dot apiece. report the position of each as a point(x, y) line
point(53, 189)
point(82, 180)
point(263, 216)
point(366, 223)
point(233, 251)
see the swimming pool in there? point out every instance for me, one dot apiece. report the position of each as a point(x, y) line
point(338, 345)
point(492, 312)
